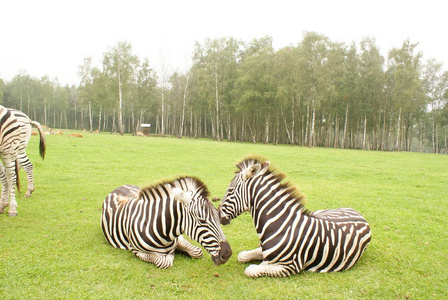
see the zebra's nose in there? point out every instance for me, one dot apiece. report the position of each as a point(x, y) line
point(223, 255)
point(224, 220)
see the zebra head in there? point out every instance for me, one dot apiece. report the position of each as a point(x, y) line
point(237, 197)
point(201, 219)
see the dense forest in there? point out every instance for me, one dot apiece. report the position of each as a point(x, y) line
point(317, 93)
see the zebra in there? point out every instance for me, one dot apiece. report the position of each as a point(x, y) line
point(292, 238)
point(150, 221)
point(11, 138)
point(25, 125)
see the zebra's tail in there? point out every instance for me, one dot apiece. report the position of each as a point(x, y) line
point(42, 143)
point(16, 169)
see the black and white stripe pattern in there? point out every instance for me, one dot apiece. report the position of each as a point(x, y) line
point(150, 221)
point(10, 140)
point(25, 126)
point(291, 238)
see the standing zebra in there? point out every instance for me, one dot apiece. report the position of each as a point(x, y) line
point(25, 125)
point(150, 221)
point(10, 139)
point(292, 239)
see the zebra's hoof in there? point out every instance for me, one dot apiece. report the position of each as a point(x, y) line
point(12, 215)
point(27, 195)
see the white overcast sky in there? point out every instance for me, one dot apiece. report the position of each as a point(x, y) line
point(45, 37)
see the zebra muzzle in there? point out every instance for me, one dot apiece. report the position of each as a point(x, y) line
point(224, 220)
point(223, 255)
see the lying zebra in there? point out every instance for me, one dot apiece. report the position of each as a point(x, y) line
point(291, 238)
point(150, 221)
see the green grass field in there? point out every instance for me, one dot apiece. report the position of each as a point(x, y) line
point(54, 248)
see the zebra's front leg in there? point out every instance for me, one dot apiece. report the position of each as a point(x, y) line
point(162, 261)
point(267, 269)
point(247, 256)
point(185, 246)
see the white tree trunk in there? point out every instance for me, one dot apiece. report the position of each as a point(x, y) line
point(287, 130)
point(266, 129)
point(184, 105)
point(397, 145)
point(344, 138)
point(120, 99)
point(113, 122)
point(293, 122)
point(99, 119)
point(446, 146)
point(45, 112)
point(163, 112)
point(312, 133)
point(336, 132)
point(217, 107)
point(383, 133)
point(90, 117)
point(191, 121)
point(307, 124)
point(433, 129)
point(364, 134)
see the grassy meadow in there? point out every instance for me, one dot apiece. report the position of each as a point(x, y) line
point(55, 249)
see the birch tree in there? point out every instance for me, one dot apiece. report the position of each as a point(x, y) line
point(436, 87)
point(257, 87)
point(371, 90)
point(289, 88)
point(120, 65)
point(164, 85)
point(146, 90)
point(407, 92)
point(314, 50)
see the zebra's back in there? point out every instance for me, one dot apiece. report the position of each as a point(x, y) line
point(339, 215)
point(341, 236)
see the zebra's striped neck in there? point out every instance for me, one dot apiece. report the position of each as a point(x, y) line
point(271, 198)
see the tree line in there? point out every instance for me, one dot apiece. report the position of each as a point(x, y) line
point(317, 93)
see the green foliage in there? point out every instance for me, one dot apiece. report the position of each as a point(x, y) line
point(54, 248)
point(316, 93)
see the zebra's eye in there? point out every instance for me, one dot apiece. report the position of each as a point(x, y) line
point(230, 190)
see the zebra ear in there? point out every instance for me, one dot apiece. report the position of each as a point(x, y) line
point(250, 172)
point(266, 164)
point(182, 196)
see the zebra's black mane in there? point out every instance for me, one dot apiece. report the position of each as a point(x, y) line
point(287, 186)
point(186, 183)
